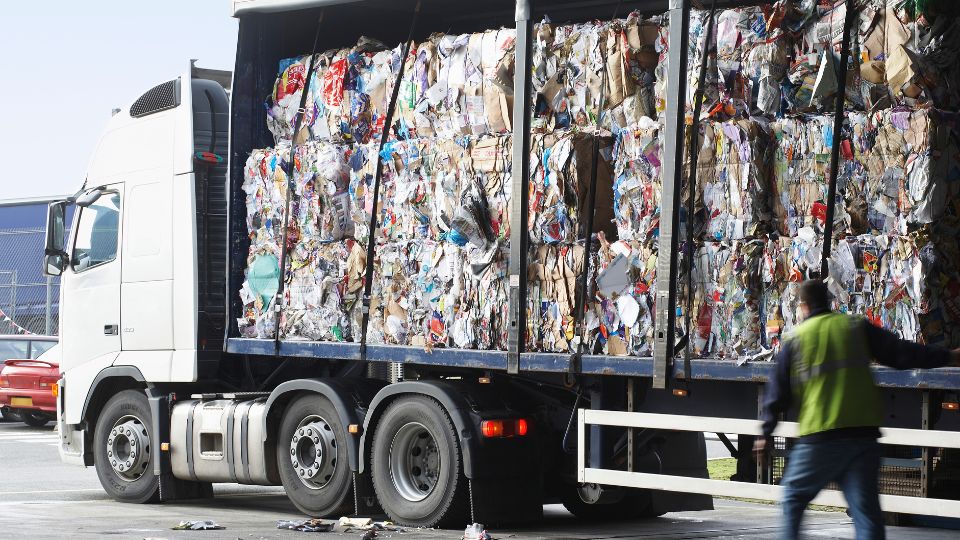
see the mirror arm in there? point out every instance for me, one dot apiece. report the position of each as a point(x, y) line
point(59, 252)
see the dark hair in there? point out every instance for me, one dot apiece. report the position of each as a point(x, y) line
point(814, 294)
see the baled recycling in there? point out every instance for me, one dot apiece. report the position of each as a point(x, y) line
point(760, 201)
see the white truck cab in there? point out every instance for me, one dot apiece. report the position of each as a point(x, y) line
point(133, 288)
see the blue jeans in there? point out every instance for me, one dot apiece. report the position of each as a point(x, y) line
point(854, 463)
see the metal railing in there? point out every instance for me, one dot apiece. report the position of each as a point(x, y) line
point(29, 301)
point(728, 488)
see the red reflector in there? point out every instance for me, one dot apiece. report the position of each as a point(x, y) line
point(504, 428)
point(491, 428)
point(951, 405)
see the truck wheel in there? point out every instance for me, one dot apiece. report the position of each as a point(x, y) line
point(35, 418)
point(416, 469)
point(312, 458)
point(636, 503)
point(122, 449)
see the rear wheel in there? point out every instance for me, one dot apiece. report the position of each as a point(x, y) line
point(416, 467)
point(35, 418)
point(312, 458)
point(123, 451)
point(636, 503)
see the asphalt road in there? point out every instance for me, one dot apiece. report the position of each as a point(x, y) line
point(42, 498)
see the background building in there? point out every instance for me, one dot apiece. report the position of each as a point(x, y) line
point(28, 299)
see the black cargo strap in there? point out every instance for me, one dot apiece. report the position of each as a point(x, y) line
point(579, 317)
point(378, 177)
point(692, 192)
point(848, 22)
point(291, 185)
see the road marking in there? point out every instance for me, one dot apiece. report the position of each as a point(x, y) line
point(40, 492)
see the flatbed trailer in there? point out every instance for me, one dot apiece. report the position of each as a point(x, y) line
point(482, 435)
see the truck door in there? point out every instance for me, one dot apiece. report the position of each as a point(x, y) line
point(90, 311)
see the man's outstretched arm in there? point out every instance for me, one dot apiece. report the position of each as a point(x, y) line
point(891, 351)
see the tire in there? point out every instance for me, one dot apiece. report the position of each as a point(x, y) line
point(35, 419)
point(419, 426)
point(329, 491)
point(636, 503)
point(128, 410)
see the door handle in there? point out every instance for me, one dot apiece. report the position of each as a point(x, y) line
point(111, 329)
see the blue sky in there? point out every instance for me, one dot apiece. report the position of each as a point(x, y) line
point(65, 64)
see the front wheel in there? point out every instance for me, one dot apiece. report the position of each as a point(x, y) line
point(122, 449)
point(35, 418)
point(416, 467)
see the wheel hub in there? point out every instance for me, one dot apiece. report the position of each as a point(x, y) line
point(414, 462)
point(128, 448)
point(313, 452)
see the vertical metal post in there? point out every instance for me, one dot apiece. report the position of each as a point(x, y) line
point(631, 432)
point(835, 146)
point(581, 445)
point(669, 211)
point(13, 298)
point(926, 454)
point(520, 174)
point(48, 308)
point(763, 470)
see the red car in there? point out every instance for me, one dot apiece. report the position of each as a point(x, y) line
point(26, 386)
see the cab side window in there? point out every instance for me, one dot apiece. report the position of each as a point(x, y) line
point(97, 233)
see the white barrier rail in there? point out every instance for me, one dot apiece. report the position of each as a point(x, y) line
point(728, 488)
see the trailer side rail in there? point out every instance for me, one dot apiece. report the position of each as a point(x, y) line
point(705, 369)
point(728, 488)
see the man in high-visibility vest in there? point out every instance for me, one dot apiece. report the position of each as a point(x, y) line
point(824, 368)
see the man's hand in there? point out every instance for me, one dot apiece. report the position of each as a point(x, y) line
point(761, 448)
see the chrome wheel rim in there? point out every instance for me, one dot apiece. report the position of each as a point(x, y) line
point(128, 448)
point(313, 452)
point(414, 462)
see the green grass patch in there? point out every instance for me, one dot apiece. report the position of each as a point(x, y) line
point(722, 469)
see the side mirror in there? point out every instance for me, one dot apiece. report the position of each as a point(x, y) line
point(89, 197)
point(55, 258)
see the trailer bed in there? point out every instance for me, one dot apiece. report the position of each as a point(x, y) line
point(591, 364)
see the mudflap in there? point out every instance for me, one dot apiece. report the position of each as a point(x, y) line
point(364, 499)
point(496, 502)
point(174, 489)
